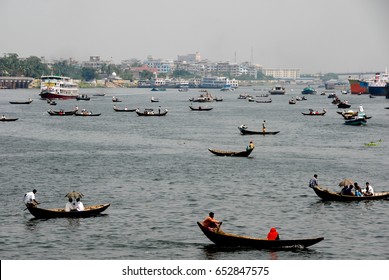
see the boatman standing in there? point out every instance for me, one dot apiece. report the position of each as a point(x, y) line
point(313, 182)
point(263, 127)
point(29, 199)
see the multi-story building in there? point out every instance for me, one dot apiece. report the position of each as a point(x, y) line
point(95, 62)
point(189, 58)
point(279, 73)
point(218, 82)
point(163, 66)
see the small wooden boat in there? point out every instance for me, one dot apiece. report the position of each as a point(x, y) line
point(292, 101)
point(244, 131)
point(151, 113)
point(5, 119)
point(124, 110)
point(158, 89)
point(222, 153)
point(355, 121)
point(343, 104)
point(99, 94)
point(87, 114)
point(314, 113)
point(62, 112)
point(51, 102)
point(347, 115)
point(200, 108)
point(326, 194)
point(114, 99)
point(154, 99)
point(221, 238)
point(21, 102)
point(89, 211)
point(83, 97)
point(264, 101)
point(308, 90)
point(218, 99)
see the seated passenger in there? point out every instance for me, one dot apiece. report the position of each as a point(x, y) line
point(273, 234)
point(250, 146)
point(358, 190)
point(74, 205)
point(79, 205)
point(210, 222)
point(348, 190)
point(369, 190)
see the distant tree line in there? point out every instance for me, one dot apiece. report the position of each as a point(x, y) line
point(12, 65)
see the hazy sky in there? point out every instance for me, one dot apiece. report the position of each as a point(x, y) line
point(313, 35)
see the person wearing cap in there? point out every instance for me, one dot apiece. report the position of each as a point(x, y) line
point(29, 198)
point(313, 182)
point(210, 222)
point(250, 146)
point(273, 234)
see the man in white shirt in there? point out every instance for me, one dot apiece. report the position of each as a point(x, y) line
point(313, 182)
point(29, 198)
point(369, 190)
point(74, 205)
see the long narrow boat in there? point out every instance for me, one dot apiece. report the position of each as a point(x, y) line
point(89, 211)
point(221, 238)
point(314, 113)
point(326, 194)
point(244, 131)
point(21, 102)
point(124, 110)
point(151, 113)
point(231, 154)
point(8, 119)
point(87, 114)
point(62, 112)
point(200, 108)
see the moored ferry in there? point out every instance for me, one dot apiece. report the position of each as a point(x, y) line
point(58, 87)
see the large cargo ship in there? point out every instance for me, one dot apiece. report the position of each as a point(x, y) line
point(358, 86)
point(58, 87)
point(378, 86)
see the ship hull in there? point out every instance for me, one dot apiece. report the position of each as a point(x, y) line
point(377, 90)
point(50, 95)
point(358, 86)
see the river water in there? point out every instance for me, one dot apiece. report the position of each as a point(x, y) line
point(160, 178)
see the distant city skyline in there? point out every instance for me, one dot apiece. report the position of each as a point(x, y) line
point(314, 36)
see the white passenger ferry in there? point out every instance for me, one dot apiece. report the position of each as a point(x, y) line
point(58, 87)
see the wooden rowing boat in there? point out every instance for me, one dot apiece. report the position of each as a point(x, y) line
point(124, 110)
point(151, 113)
point(200, 108)
point(62, 112)
point(314, 113)
point(244, 131)
point(8, 119)
point(231, 154)
point(87, 114)
point(221, 238)
point(21, 102)
point(89, 211)
point(326, 194)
